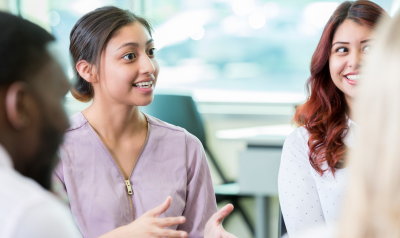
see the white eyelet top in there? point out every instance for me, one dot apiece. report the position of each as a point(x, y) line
point(308, 199)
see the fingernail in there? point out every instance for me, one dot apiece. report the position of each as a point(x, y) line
point(182, 219)
point(183, 234)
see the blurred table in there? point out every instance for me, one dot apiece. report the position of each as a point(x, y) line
point(258, 136)
point(258, 168)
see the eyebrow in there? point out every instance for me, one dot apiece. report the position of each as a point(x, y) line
point(134, 44)
point(341, 42)
point(365, 41)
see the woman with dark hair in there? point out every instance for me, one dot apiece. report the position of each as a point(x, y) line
point(312, 174)
point(116, 162)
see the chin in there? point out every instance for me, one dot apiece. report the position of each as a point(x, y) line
point(351, 91)
point(146, 104)
point(142, 102)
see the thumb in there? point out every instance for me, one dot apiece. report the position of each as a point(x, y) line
point(155, 212)
point(222, 213)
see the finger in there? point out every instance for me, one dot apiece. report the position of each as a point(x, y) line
point(222, 213)
point(155, 212)
point(171, 233)
point(170, 221)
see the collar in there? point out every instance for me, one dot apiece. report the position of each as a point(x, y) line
point(351, 122)
point(5, 159)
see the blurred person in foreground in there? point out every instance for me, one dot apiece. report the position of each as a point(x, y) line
point(372, 202)
point(32, 123)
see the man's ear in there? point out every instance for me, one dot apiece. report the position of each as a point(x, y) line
point(87, 71)
point(16, 106)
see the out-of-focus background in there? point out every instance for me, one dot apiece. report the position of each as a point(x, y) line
point(232, 72)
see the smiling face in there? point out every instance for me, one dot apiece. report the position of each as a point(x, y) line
point(129, 68)
point(350, 42)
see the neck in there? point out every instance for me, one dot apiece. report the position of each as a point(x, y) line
point(114, 120)
point(8, 146)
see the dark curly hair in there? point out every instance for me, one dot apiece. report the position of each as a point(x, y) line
point(324, 112)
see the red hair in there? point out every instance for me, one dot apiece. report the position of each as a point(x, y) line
point(324, 112)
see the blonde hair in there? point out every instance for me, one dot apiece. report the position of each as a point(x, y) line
point(372, 205)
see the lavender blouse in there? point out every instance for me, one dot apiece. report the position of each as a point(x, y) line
point(172, 163)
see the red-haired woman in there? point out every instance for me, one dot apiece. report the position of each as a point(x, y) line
point(312, 175)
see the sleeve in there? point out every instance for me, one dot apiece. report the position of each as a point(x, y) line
point(47, 220)
point(58, 185)
point(200, 196)
point(58, 171)
point(298, 194)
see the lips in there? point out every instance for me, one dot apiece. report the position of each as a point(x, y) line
point(352, 78)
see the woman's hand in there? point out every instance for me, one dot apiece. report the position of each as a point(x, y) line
point(150, 226)
point(214, 227)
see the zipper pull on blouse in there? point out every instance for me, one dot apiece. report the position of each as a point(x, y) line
point(128, 187)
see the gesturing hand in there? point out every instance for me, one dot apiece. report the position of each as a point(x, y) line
point(214, 227)
point(150, 226)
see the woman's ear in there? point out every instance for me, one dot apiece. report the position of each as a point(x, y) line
point(16, 106)
point(87, 71)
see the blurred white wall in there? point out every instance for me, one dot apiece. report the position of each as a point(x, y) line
point(3, 5)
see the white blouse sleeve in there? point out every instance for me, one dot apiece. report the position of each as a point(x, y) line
point(298, 194)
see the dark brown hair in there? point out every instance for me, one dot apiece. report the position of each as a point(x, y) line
point(22, 49)
point(324, 112)
point(90, 36)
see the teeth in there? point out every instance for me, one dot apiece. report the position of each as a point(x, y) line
point(144, 84)
point(354, 77)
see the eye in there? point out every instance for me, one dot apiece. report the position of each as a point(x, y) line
point(366, 48)
point(152, 51)
point(342, 50)
point(130, 56)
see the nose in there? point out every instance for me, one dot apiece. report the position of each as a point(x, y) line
point(354, 61)
point(146, 65)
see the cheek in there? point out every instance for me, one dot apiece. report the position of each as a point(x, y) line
point(156, 67)
point(336, 67)
point(32, 136)
point(119, 80)
point(55, 114)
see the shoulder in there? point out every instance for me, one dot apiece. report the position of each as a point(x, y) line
point(190, 139)
point(22, 201)
point(50, 219)
point(300, 135)
point(77, 121)
point(17, 188)
point(295, 149)
point(157, 123)
point(297, 141)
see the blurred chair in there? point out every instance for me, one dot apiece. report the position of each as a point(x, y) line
point(181, 111)
point(281, 226)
